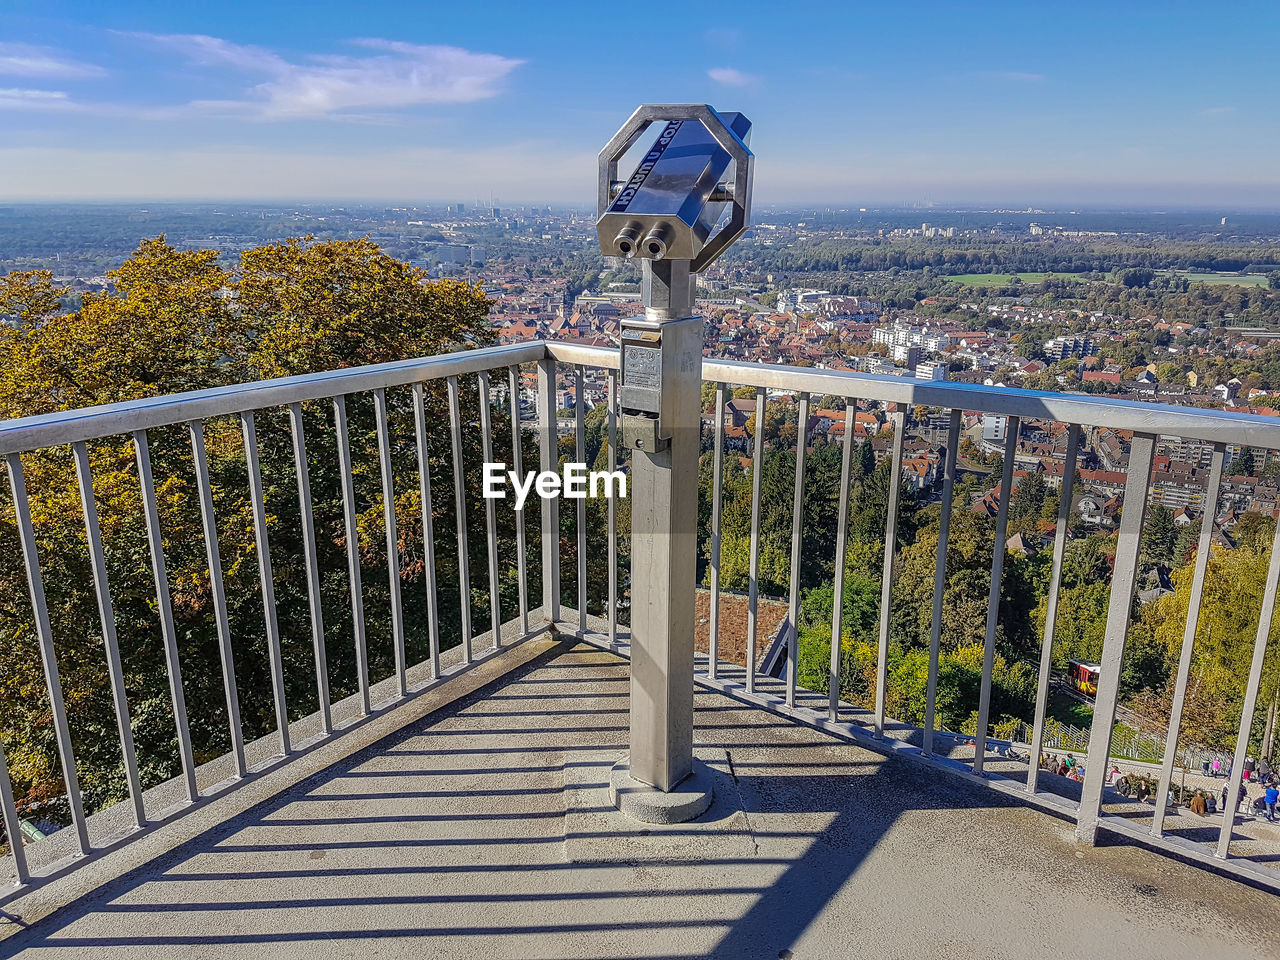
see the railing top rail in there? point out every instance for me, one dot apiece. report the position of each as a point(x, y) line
point(1156, 418)
point(89, 423)
point(31, 433)
point(1151, 418)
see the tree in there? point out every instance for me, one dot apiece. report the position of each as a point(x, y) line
point(30, 296)
point(1027, 503)
point(179, 322)
point(1160, 539)
point(1245, 463)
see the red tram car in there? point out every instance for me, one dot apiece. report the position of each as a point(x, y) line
point(1083, 675)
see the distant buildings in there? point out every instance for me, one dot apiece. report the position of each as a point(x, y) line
point(1060, 348)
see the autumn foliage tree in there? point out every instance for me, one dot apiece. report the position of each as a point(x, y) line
point(179, 320)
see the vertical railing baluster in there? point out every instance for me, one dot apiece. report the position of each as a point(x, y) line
point(717, 468)
point(314, 599)
point(265, 577)
point(393, 538)
point(490, 510)
point(899, 419)
point(1012, 429)
point(353, 550)
point(940, 579)
point(107, 616)
point(612, 467)
point(460, 508)
point(580, 451)
point(213, 556)
point(842, 542)
point(1051, 612)
point(1189, 633)
point(428, 531)
point(549, 457)
point(517, 466)
point(1265, 617)
point(753, 571)
point(164, 602)
point(797, 537)
point(12, 825)
point(1123, 577)
point(49, 657)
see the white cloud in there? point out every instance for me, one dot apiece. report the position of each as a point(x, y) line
point(35, 100)
point(396, 75)
point(26, 60)
point(729, 77)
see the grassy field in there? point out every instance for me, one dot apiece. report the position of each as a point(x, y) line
point(1248, 280)
point(1004, 279)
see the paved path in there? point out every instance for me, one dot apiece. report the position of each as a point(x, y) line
point(447, 839)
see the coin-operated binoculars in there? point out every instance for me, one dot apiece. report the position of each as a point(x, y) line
point(666, 214)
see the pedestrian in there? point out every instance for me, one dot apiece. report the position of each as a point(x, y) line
point(1270, 797)
point(1204, 767)
point(1114, 775)
point(1216, 766)
point(1071, 761)
point(1062, 769)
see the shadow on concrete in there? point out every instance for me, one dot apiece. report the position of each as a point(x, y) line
point(371, 849)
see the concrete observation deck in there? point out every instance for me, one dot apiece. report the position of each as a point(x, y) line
point(476, 828)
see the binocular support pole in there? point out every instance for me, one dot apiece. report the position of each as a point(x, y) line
point(659, 782)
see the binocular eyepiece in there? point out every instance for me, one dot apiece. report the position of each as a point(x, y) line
point(628, 243)
point(670, 206)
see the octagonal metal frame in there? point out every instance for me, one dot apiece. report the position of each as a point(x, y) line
point(744, 168)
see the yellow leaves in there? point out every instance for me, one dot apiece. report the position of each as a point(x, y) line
point(30, 296)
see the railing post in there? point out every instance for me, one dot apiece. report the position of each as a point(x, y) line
point(53, 680)
point(549, 456)
point(842, 540)
point(1012, 428)
point(1122, 585)
point(1189, 635)
point(797, 536)
point(899, 418)
point(428, 532)
point(460, 511)
point(717, 461)
point(1265, 617)
point(940, 579)
point(753, 570)
point(1051, 610)
point(613, 510)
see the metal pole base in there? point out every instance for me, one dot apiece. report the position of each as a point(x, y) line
point(640, 801)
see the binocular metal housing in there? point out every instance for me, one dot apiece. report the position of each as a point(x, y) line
point(670, 206)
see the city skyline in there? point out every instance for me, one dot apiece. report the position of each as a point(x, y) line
point(1141, 106)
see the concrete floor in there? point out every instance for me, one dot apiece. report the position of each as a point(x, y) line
point(448, 839)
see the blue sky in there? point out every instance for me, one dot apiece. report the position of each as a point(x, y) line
point(1128, 103)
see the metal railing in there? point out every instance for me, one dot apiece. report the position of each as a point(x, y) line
point(1146, 421)
point(191, 411)
point(247, 402)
